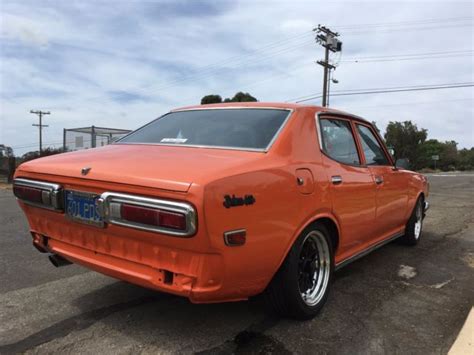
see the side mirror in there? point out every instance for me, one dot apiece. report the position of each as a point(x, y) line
point(402, 163)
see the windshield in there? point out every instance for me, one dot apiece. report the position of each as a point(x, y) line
point(246, 129)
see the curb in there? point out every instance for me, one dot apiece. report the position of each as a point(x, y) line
point(464, 343)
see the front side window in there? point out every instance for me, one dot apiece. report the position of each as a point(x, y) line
point(252, 129)
point(338, 141)
point(374, 154)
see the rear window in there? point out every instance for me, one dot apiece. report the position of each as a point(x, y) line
point(252, 129)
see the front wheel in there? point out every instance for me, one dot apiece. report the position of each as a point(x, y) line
point(414, 227)
point(301, 286)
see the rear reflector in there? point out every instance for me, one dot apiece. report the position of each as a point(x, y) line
point(236, 237)
point(153, 217)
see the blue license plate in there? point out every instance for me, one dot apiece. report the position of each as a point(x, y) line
point(82, 207)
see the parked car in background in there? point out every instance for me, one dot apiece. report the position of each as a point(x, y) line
point(224, 202)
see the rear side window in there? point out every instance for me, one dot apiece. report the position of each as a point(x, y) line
point(374, 154)
point(338, 141)
point(243, 129)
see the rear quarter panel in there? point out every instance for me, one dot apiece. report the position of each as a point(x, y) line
point(279, 213)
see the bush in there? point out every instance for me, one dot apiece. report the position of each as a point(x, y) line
point(36, 154)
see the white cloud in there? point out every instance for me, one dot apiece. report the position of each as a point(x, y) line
point(121, 64)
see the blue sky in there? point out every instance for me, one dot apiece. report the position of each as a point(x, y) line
point(122, 63)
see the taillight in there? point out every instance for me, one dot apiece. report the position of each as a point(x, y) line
point(38, 193)
point(29, 194)
point(168, 217)
point(153, 217)
point(173, 220)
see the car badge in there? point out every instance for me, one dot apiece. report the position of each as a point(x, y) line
point(234, 201)
point(85, 171)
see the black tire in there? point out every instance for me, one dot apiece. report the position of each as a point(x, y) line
point(283, 294)
point(412, 234)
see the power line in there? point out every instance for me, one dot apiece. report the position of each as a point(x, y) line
point(412, 103)
point(410, 58)
point(413, 29)
point(408, 55)
point(390, 90)
point(310, 96)
point(277, 48)
point(403, 87)
point(425, 21)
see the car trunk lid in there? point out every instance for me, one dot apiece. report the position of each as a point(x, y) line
point(162, 167)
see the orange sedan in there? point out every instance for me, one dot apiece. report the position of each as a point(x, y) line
point(223, 202)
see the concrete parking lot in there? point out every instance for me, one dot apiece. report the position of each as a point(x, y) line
point(396, 300)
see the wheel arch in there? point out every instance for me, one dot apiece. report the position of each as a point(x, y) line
point(328, 220)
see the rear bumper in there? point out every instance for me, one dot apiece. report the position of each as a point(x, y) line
point(182, 266)
point(192, 275)
point(184, 278)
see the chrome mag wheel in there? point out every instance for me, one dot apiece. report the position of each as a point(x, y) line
point(418, 220)
point(314, 267)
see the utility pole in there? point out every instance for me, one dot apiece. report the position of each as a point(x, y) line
point(40, 126)
point(328, 39)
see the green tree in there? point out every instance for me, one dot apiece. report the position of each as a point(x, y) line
point(238, 97)
point(466, 159)
point(242, 97)
point(36, 154)
point(448, 158)
point(211, 99)
point(427, 150)
point(406, 139)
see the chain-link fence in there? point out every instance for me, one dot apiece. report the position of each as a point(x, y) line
point(90, 137)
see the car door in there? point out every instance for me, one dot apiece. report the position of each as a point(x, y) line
point(352, 185)
point(392, 189)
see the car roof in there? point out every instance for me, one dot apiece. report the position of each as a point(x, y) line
point(275, 105)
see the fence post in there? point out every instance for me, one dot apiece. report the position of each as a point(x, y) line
point(93, 136)
point(11, 169)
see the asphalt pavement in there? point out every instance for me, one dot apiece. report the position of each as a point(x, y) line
point(396, 300)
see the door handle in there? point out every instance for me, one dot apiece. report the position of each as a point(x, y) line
point(378, 180)
point(336, 179)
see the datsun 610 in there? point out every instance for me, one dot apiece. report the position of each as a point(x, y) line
point(225, 202)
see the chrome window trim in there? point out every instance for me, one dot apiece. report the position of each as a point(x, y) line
point(259, 150)
point(107, 198)
point(335, 116)
point(54, 189)
point(380, 142)
point(318, 129)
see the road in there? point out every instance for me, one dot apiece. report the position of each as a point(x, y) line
point(396, 300)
